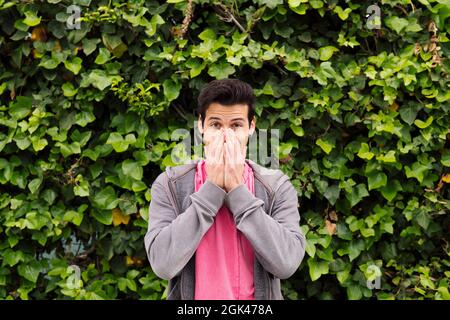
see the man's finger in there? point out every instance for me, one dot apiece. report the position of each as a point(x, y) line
point(238, 150)
point(242, 153)
point(229, 153)
point(227, 145)
point(232, 149)
point(224, 153)
point(220, 148)
point(219, 143)
point(212, 146)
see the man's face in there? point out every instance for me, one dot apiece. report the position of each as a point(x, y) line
point(220, 117)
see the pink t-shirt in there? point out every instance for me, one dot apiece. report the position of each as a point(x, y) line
point(224, 257)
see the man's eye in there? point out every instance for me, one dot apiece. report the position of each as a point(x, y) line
point(237, 125)
point(214, 124)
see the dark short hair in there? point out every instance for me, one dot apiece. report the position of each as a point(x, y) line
point(226, 92)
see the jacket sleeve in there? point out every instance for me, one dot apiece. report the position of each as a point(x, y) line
point(171, 240)
point(277, 239)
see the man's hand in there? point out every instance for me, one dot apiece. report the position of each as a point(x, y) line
point(215, 165)
point(234, 161)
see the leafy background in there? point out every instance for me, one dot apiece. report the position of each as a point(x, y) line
point(86, 118)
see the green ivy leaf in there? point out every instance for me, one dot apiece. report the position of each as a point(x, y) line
point(34, 184)
point(316, 4)
point(409, 113)
point(31, 19)
point(417, 170)
point(423, 219)
point(49, 196)
point(89, 45)
point(22, 143)
point(171, 89)
point(332, 193)
point(389, 191)
point(317, 268)
point(105, 199)
point(343, 232)
point(154, 22)
point(69, 90)
point(389, 157)
point(196, 67)
point(73, 216)
point(103, 56)
point(301, 9)
point(30, 271)
point(422, 125)
point(325, 53)
point(133, 169)
point(98, 78)
point(11, 258)
point(73, 65)
point(83, 117)
point(81, 190)
point(143, 157)
point(325, 145)
point(114, 44)
point(343, 14)
point(395, 23)
point(445, 158)
point(296, 3)
point(103, 216)
point(138, 186)
point(270, 3)
point(356, 194)
point(310, 249)
point(367, 232)
point(364, 152)
point(69, 149)
point(355, 247)
point(220, 70)
point(354, 292)
point(119, 143)
point(298, 131)
point(21, 107)
point(207, 34)
point(38, 143)
point(376, 179)
point(49, 62)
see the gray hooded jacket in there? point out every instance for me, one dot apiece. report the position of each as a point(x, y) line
point(179, 217)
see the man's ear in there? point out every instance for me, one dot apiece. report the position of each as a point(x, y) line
point(199, 124)
point(252, 126)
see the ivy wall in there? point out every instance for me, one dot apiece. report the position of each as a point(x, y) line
point(358, 89)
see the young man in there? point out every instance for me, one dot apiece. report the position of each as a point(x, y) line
point(224, 227)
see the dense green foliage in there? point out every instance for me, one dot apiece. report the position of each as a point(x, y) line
point(86, 117)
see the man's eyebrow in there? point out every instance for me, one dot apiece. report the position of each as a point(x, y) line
point(234, 119)
point(213, 118)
